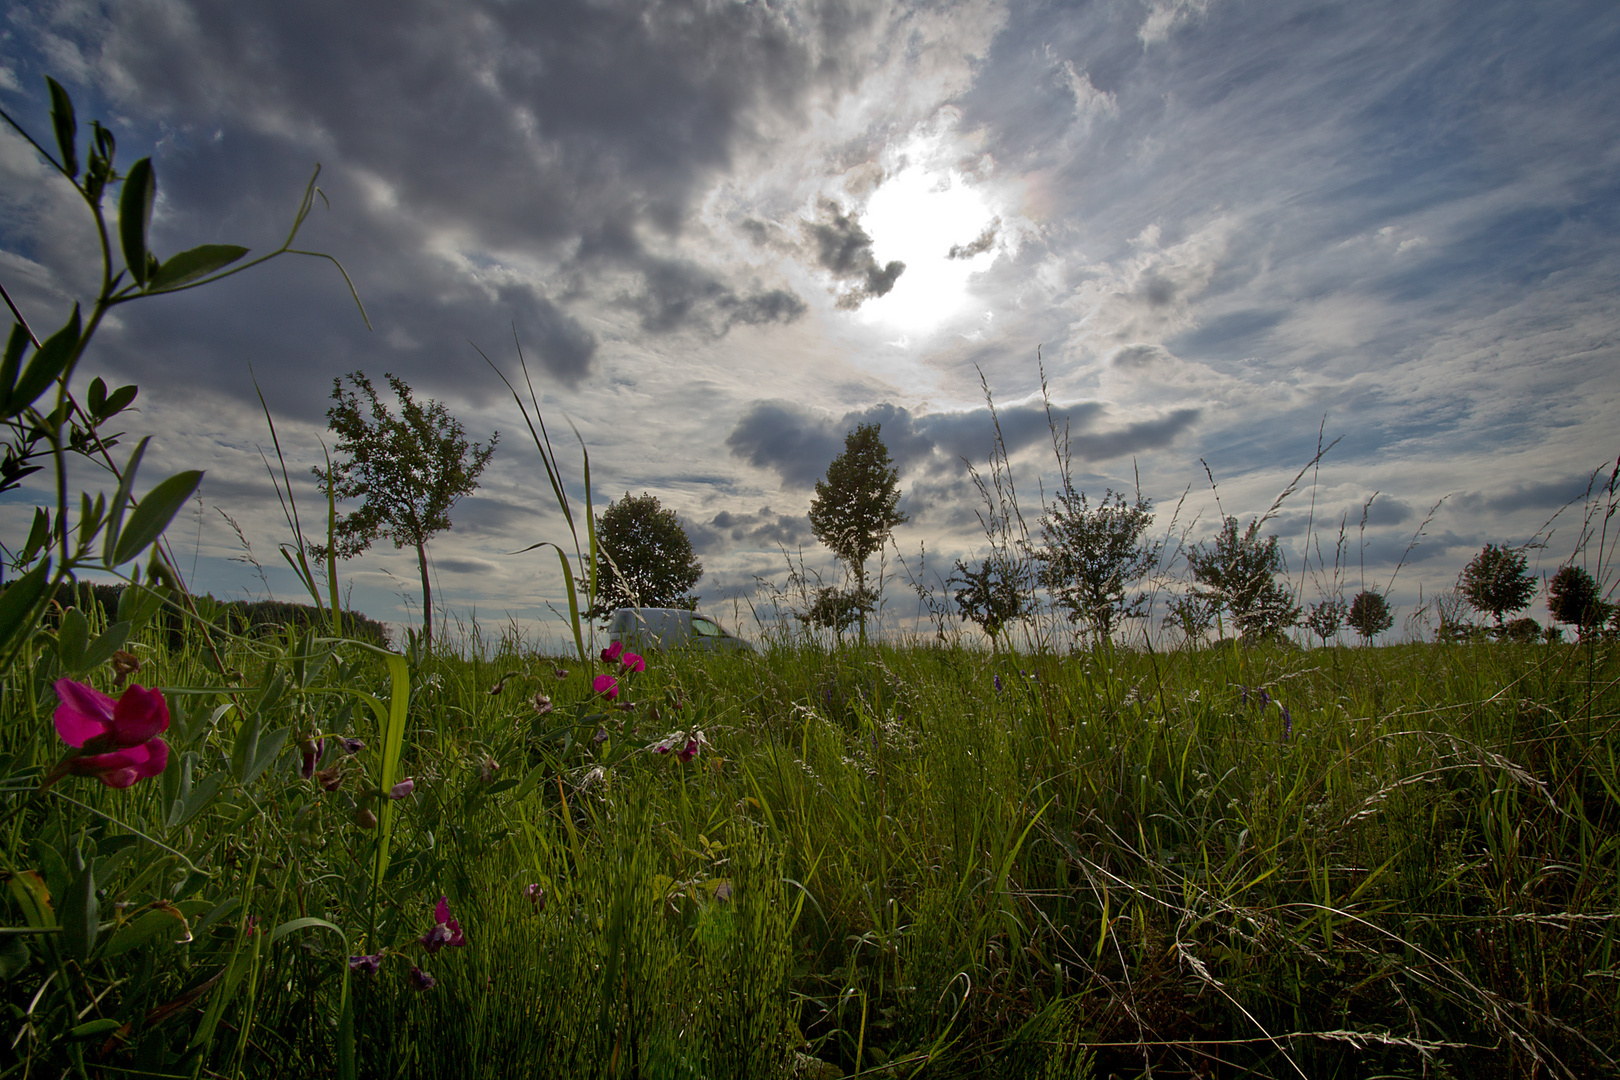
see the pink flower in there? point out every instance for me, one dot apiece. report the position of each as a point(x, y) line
point(688, 752)
point(611, 653)
point(606, 685)
point(446, 931)
point(118, 741)
point(402, 789)
point(633, 662)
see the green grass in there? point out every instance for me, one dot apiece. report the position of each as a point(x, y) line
point(1113, 865)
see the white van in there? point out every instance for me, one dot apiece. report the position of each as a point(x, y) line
point(671, 628)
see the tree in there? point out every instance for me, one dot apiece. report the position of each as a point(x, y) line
point(854, 510)
point(1094, 554)
point(1370, 614)
point(838, 609)
point(408, 470)
point(1238, 572)
point(994, 595)
point(1325, 618)
point(1497, 580)
point(643, 557)
point(1572, 598)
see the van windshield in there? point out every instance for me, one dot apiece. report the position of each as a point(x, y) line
point(705, 628)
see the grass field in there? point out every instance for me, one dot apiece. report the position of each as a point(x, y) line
point(917, 861)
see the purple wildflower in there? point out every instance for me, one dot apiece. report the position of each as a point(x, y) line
point(1288, 722)
point(352, 746)
point(537, 896)
point(633, 662)
point(446, 930)
point(367, 964)
point(421, 980)
point(402, 789)
point(612, 652)
point(311, 751)
point(998, 684)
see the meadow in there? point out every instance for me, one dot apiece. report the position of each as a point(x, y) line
point(293, 850)
point(887, 861)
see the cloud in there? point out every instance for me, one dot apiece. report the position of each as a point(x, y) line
point(839, 244)
point(985, 241)
point(1557, 492)
point(763, 530)
point(678, 294)
point(799, 445)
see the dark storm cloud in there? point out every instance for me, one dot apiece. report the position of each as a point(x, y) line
point(985, 241)
point(766, 529)
point(1555, 493)
point(841, 246)
point(798, 446)
point(554, 131)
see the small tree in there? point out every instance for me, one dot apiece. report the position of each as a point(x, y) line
point(1572, 598)
point(838, 609)
point(408, 470)
point(1497, 580)
point(1093, 555)
point(854, 510)
point(993, 595)
point(644, 558)
point(1238, 572)
point(1325, 618)
point(1370, 614)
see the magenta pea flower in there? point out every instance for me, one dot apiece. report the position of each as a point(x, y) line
point(311, 751)
point(115, 741)
point(688, 752)
point(606, 685)
point(446, 930)
point(537, 896)
point(352, 746)
point(612, 652)
point(367, 964)
point(402, 789)
point(421, 980)
point(633, 662)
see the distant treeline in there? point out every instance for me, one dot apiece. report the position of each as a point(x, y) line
point(256, 617)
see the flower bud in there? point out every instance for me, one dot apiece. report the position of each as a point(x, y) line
point(364, 818)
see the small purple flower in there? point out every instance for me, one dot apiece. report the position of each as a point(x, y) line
point(633, 662)
point(311, 750)
point(1265, 698)
point(537, 896)
point(367, 964)
point(421, 980)
point(330, 779)
point(1288, 722)
point(688, 752)
point(542, 704)
point(1243, 695)
point(352, 746)
point(559, 673)
point(612, 652)
point(600, 736)
point(446, 930)
point(402, 789)
point(998, 684)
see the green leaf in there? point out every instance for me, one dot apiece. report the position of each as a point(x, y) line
point(265, 753)
point(135, 217)
point(117, 402)
point(126, 484)
point(81, 915)
point(304, 924)
point(18, 601)
point(246, 748)
point(109, 641)
point(138, 603)
point(39, 537)
point(71, 640)
point(49, 362)
point(96, 396)
point(67, 127)
point(142, 929)
point(16, 345)
point(154, 513)
point(191, 265)
point(91, 1029)
point(193, 802)
point(14, 956)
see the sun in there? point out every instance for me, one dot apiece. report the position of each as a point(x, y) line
point(943, 224)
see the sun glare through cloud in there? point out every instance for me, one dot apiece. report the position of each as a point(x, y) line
point(943, 223)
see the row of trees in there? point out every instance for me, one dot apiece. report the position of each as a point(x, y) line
point(1090, 558)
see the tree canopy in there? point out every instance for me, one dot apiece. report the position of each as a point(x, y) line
point(1370, 614)
point(1094, 554)
point(1237, 572)
point(408, 470)
point(1497, 580)
point(854, 509)
point(644, 557)
point(1572, 598)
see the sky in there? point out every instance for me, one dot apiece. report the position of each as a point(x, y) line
point(1224, 233)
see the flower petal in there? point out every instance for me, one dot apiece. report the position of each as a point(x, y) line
point(606, 685)
point(84, 712)
point(441, 910)
point(140, 714)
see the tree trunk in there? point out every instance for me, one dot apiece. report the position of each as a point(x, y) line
point(427, 598)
